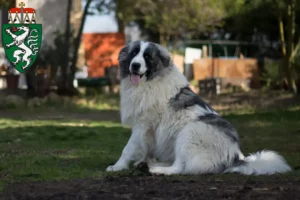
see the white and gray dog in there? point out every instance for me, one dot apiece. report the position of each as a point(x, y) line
point(173, 130)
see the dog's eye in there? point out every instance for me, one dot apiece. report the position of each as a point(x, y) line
point(135, 52)
point(147, 56)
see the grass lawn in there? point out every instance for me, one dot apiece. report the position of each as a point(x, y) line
point(38, 150)
point(53, 150)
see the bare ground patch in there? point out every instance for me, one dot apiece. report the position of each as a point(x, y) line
point(154, 188)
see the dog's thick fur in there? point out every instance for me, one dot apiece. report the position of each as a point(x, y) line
point(173, 130)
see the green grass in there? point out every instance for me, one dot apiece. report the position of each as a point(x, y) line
point(79, 104)
point(56, 150)
point(53, 150)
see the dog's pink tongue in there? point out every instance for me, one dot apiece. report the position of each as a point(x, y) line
point(135, 79)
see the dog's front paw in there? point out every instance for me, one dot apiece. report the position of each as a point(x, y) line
point(154, 171)
point(115, 168)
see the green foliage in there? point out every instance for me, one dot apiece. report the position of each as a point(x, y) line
point(271, 74)
point(172, 17)
point(252, 16)
point(194, 83)
point(54, 56)
point(6, 4)
point(233, 7)
point(246, 16)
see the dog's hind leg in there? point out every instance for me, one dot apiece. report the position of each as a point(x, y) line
point(199, 149)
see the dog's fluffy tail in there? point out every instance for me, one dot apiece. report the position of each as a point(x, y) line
point(260, 163)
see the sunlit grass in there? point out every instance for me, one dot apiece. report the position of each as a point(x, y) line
point(99, 102)
point(68, 149)
point(81, 104)
point(42, 150)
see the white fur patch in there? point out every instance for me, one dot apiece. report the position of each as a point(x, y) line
point(139, 58)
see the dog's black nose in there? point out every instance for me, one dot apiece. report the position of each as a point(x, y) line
point(135, 67)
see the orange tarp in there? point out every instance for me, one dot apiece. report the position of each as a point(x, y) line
point(101, 51)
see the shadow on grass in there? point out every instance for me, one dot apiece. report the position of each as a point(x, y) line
point(57, 104)
point(76, 149)
point(62, 115)
point(98, 108)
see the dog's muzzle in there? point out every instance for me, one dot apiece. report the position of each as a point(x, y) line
point(135, 75)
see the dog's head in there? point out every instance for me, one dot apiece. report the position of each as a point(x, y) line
point(143, 61)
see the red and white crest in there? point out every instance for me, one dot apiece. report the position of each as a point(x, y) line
point(21, 15)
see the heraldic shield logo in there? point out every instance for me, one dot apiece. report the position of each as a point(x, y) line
point(21, 37)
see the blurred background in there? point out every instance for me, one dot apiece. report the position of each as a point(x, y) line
point(220, 46)
point(60, 120)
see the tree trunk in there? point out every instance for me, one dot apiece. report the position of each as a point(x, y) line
point(63, 86)
point(119, 16)
point(281, 69)
point(76, 47)
point(175, 40)
point(281, 29)
point(121, 26)
point(289, 68)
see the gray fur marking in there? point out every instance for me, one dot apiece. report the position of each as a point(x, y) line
point(186, 98)
point(221, 124)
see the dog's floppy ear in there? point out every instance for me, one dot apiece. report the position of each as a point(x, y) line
point(123, 61)
point(164, 55)
point(123, 53)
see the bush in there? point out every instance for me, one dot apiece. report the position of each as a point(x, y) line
point(271, 75)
